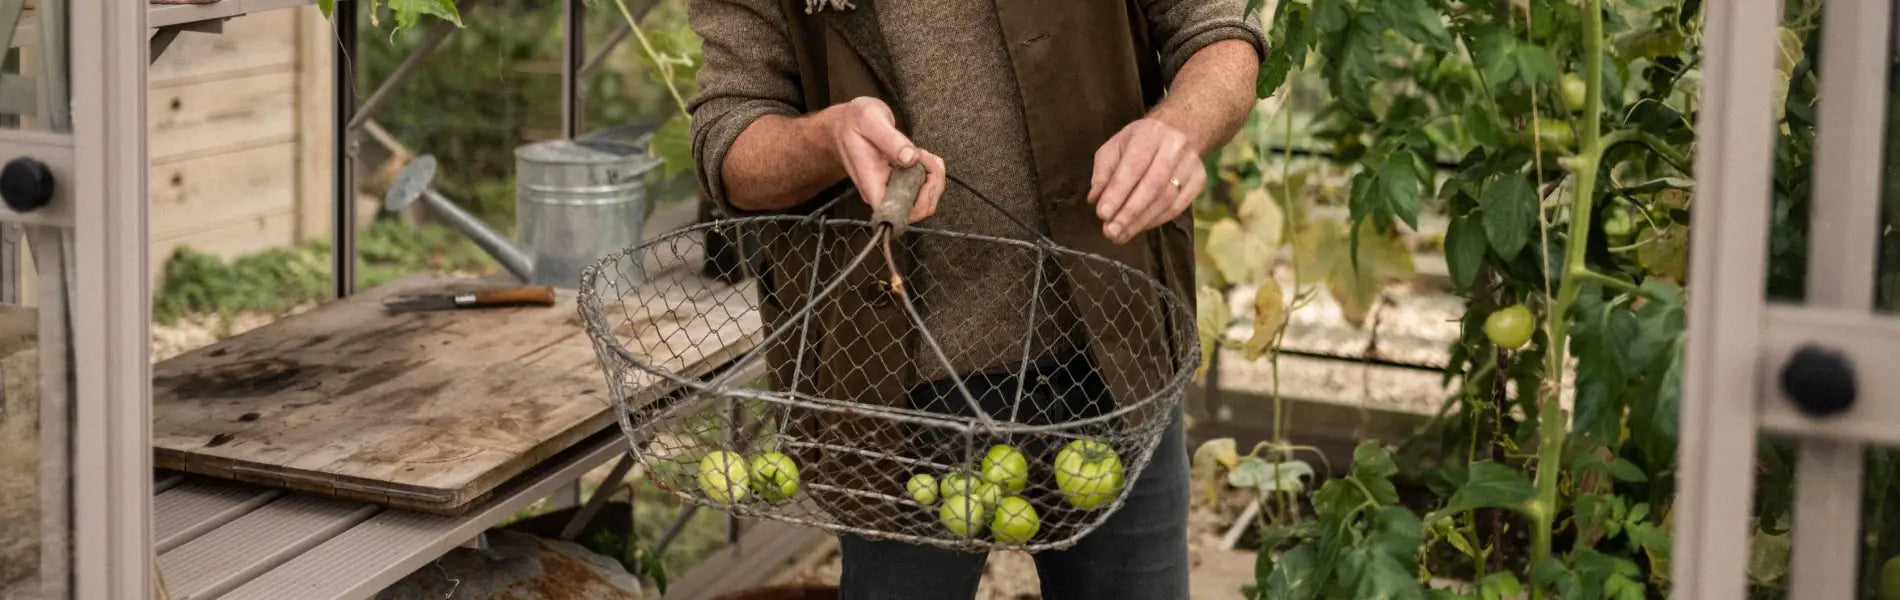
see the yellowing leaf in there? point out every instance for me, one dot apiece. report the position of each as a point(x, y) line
point(1664, 252)
point(1316, 249)
point(1211, 320)
point(1790, 55)
point(1269, 317)
point(1241, 257)
point(1209, 459)
point(1382, 259)
point(1261, 218)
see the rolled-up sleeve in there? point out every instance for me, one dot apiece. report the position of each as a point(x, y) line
point(749, 72)
point(1183, 27)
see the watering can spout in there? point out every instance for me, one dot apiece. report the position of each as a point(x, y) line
point(413, 184)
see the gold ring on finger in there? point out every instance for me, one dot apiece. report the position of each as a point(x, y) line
point(1176, 182)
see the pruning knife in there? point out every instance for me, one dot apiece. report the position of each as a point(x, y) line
point(528, 296)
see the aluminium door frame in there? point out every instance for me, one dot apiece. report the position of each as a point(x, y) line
point(1742, 377)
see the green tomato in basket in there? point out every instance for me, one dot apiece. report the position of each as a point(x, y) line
point(1088, 473)
point(923, 488)
point(1006, 466)
point(724, 478)
point(775, 476)
point(968, 484)
point(963, 515)
point(1015, 521)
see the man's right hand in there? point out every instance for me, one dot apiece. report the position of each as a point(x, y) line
point(865, 140)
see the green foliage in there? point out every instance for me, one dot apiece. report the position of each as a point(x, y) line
point(1363, 544)
point(276, 281)
point(1532, 188)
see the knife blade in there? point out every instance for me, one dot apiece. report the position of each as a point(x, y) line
point(529, 296)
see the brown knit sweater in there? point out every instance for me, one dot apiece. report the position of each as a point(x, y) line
point(962, 104)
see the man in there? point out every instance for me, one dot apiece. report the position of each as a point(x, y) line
point(1053, 110)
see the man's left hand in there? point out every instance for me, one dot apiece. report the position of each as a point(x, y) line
point(1144, 176)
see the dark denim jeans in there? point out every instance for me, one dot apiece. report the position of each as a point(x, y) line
point(1139, 553)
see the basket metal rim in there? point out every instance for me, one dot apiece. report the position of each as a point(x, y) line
point(592, 309)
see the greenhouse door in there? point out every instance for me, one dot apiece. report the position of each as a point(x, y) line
point(75, 454)
point(1825, 372)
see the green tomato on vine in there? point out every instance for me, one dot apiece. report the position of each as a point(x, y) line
point(1510, 327)
point(1576, 93)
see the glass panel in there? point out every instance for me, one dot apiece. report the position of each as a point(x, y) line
point(33, 75)
point(31, 502)
point(33, 97)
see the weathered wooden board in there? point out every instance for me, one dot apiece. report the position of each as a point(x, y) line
point(256, 43)
point(425, 410)
point(226, 115)
point(203, 194)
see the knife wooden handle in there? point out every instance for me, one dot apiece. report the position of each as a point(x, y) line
point(533, 296)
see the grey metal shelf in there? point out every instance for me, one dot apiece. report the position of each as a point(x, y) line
point(168, 15)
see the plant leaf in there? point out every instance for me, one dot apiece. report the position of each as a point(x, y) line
point(1241, 258)
point(1269, 307)
point(1209, 459)
point(673, 144)
point(1624, 470)
point(1465, 245)
point(1510, 213)
point(408, 12)
point(1258, 474)
point(1535, 65)
point(1491, 485)
point(1211, 320)
point(1501, 585)
point(1381, 576)
point(1397, 532)
point(1371, 460)
point(1262, 219)
point(1296, 576)
point(1398, 188)
point(1291, 35)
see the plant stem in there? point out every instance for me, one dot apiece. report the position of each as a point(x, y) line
point(1552, 425)
point(1588, 276)
point(666, 70)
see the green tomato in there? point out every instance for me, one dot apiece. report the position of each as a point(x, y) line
point(1015, 521)
point(1576, 92)
point(1088, 473)
point(923, 488)
point(723, 476)
point(968, 484)
point(1618, 225)
point(1557, 134)
point(775, 476)
point(1006, 466)
point(963, 515)
point(1510, 327)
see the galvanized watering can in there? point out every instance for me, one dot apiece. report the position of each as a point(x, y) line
point(575, 201)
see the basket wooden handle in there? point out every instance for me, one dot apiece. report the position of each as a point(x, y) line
point(899, 196)
point(532, 296)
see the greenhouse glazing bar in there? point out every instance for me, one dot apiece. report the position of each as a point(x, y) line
point(1794, 372)
point(111, 463)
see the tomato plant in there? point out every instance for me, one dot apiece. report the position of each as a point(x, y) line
point(1554, 138)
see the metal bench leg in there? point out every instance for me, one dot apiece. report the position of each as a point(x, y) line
point(601, 495)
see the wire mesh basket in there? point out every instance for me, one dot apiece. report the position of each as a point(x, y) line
point(944, 388)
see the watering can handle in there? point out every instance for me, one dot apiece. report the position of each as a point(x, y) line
point(899, 196)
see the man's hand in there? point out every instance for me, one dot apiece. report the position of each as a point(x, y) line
point(1151, 171)
point(864, 138)
point(1144, 176)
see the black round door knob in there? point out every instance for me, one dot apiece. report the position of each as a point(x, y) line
point(1819, 380)
point(26, 184)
